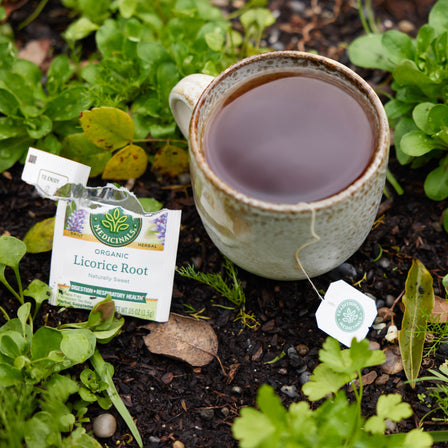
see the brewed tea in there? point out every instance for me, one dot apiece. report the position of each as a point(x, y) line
point(289, 139)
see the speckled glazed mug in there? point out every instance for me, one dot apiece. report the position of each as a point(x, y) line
point(264, 237)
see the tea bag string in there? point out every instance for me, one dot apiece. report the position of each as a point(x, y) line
point(308, 243)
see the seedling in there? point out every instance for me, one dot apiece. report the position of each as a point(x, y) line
point(39, 404)
point(336, 422)
point(418, 109)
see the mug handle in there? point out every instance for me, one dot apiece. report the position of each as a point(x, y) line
point(184, 96)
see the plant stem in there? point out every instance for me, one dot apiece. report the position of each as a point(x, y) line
point(391, 179)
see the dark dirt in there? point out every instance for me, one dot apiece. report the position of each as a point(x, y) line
point(170, 400)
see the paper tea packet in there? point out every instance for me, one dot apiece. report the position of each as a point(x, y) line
point(105, 244)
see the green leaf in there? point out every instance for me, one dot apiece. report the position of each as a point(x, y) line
point(368, 51)
point(387, 407)
point(127, 8)
point(69, 104)
point(420, 114)
point(12, 251)
point(438, 16)
point(40, 237)
point(38, 290)
point(252, 428)
point(419, 302)
point(150, 204)
point(45, 340)
point(436, 182)
point(78, 345)
point(416, 143)
point(80, 29)
point(12, 149)
point(9, 375)
point(107, 127)
point(38, 127)
point(10, 127)
point(105, 372)
point(9, 105)
point(128, 163)
point(398, 46)
point(77, 147)
point(270, 404)
point(404, 125)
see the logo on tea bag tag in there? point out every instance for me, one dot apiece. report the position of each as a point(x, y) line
point(115, 228)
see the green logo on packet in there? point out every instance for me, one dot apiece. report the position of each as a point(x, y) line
point(115, 228)
point(349, 315)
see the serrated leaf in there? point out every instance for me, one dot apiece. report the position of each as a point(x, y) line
point(252, 428)
point(107, 127)
point(419, 302)
point(128, 163)
point(170, 160)
point(40, 237)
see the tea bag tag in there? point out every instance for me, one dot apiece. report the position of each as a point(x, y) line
point(48, 172)
point(345, 313)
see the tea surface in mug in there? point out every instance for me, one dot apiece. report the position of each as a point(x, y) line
point(289, 138)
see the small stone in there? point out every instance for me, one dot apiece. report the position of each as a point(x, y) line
point(292, 353)
point(393, 363)
point(304, 377)
point(290, 391)
point(406, 26)
point(207, 414)
point(390, 300)
point(382, 379)
point(302, 349)
point(236, 390)
point(154, 440)
point(178, 444)
point(225, 412)
point(104, 426)
point(384, 263)
point(346, 270)
point(373, 345)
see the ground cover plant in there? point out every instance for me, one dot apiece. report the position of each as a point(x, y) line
point(417, 109)
point(173, 403)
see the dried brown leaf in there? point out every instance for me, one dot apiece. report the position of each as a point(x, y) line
point(184, 338)
point(440, 310)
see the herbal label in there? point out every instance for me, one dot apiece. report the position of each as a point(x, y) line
point(345, 313)
point(49, 172)
point(109, 250)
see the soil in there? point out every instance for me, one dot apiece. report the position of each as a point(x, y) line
point(171, 401)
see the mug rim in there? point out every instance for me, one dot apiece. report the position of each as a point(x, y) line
point(381, 150)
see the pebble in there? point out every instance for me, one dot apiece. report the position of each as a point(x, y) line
point(297, 6)
point(304, 377)
point(393, 363)
point(104, 426)
point(207, 414)
point(390, 425)
point(406, 26)
point(302, 349)
point(225, 412)
point(346, 270)
point(373, 345)
point(390, 300)
point(178, 444)
point(154, 440)
point(384, 263)
point(236, 390)
point(290, 391)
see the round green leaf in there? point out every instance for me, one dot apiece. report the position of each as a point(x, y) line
point(420, 114)
point(38, 290)
point(78, 344)
point(12, 251)
point(40, 237)
point(107, 127)
point(128, 163)
point(77, 147)
point(417, 143)
point(436, 183)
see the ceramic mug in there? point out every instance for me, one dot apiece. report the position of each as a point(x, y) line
point(275, 240)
